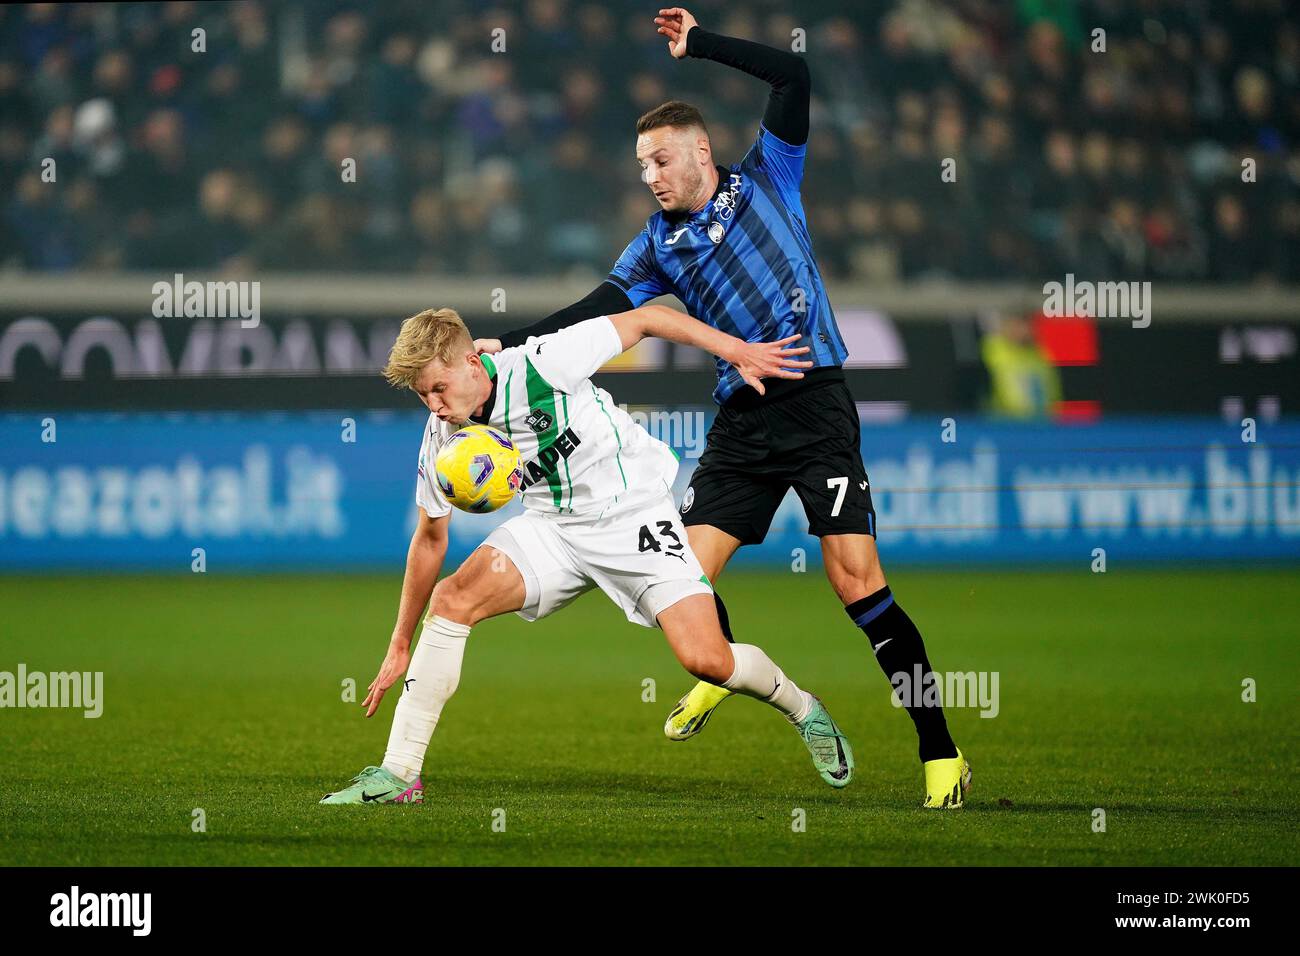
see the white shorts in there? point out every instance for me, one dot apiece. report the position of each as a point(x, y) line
point(640, 558)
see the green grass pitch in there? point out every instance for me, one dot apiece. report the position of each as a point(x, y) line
point(1120, 691)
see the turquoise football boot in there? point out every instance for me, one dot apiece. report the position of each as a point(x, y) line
point(831, 753)
point(377, 785)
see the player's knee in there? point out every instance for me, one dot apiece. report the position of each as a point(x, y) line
point(856, 580)
point(456, 601)
point(845, 584)
point(712, 664)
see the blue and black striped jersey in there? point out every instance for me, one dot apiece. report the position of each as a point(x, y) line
point(744, 263)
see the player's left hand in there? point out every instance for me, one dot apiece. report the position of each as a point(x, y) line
point(675, 23)
point(490, 346)
point(758, 360)
point(396, 661)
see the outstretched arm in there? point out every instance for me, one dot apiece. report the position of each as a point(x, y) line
point(786, 116)
point(753, 360)
point(424, 560)
point(605, 299)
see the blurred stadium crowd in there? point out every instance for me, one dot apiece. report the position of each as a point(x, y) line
point(1125, 163)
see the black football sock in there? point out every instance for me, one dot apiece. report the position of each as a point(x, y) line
point(723, 619)
point(900, 651)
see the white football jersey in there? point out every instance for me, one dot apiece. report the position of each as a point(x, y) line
point(581, 454)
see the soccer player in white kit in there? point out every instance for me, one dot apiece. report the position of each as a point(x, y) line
point(598, 512)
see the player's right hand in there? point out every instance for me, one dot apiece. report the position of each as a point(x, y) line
point(759, 360)
point(490, 346)
point(396, 661)
point(675, 23)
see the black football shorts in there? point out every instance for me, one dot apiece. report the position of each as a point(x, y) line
point(808, 440)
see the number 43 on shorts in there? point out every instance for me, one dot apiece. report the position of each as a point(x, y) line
point(646, 541)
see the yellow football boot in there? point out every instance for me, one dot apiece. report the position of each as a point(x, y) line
point(694, 710)
point(947, 782)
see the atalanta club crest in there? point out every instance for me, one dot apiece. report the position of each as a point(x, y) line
point(716, 231)
point(688, 499)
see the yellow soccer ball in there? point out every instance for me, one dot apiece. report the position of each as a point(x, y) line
point(477, 469)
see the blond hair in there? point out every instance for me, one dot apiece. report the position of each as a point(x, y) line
point(432, 334)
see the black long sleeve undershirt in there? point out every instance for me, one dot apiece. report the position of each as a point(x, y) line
point(786, 116)
point(605, 299)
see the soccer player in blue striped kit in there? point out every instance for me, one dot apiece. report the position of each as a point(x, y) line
point(732, 243)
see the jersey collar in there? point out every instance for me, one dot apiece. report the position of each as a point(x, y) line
point(724, 180)
point(491, 402)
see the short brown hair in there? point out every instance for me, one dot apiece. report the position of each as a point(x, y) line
point(432, 334)
point(674, 113)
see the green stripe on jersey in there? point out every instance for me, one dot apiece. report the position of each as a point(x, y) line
point(541, 397)
point(618, 456)
point(564, 399)
point(506, 417)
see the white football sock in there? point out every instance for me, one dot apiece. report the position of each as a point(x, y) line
point(756, 675)
point(431, 679)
